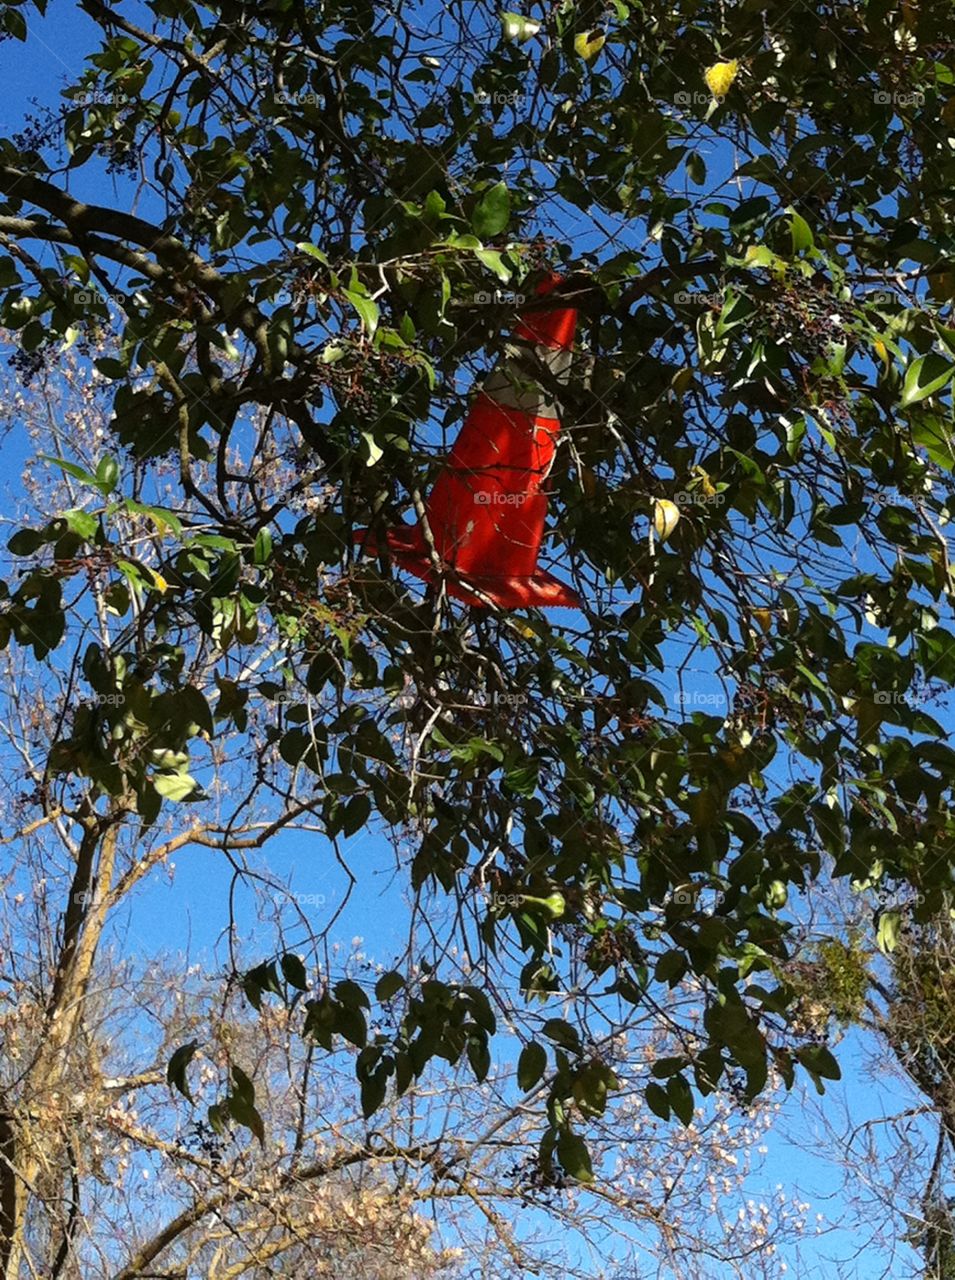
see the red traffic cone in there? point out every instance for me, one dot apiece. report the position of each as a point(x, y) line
point(487, 509)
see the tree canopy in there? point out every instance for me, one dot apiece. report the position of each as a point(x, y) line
point(302, 231)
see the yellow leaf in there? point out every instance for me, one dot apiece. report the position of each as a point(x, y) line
point(159, 582)
point(881, 350)
point(588, 46)
point(719, 78)
point(703, 481)
point(666, 517)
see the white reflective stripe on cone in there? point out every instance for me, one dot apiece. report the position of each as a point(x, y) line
point(511, 382)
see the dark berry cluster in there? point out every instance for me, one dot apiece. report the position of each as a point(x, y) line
point(29, 364)
point(201, 1138)
point(362, 381)
point(538, 1184)
point(804, 318)
point(41, 130)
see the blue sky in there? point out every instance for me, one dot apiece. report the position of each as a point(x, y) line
point(188, 912)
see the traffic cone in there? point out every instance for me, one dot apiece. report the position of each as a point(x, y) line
point(487, 509)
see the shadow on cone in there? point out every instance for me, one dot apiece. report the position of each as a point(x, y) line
point(487, 509)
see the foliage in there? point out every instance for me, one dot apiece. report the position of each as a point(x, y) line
point(165, 1110)
point(920, 1022)
point(834, 980)
point(330, 194)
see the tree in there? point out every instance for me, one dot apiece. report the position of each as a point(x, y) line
point(184, 1126)
point(895, 1142)
point(750, 211)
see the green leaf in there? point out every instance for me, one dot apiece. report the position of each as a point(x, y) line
point(494, 262)
point(175, 786)
point(531, 1065)
point(357, 812)
point(107, 473)
point(244, 1113)
point(163, 520)
point(817, 1059)
point(242, 1084)
point(178, 1064)
point(924, 377)
point(664, 1067)
point(591, 1086)
point(518, 28)
point(562, 1033)
point(25, 541)
point(71, 469)
point(351, 994)
point(657, 1100)
point(388, 985)
point(81, 522)
point(887, 933)
point(351, 1024)
point(293, 970)
point(312, 250)
point(479, 1057)
point(373, 1089)
point(680, 1097)
point(492, 213)
point(112, 368)
point(801, 233)
point(293, 745)
point(262, 550)
point(367, 310)
point(262, 978)
point(194, 709)
point(574, 1157)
